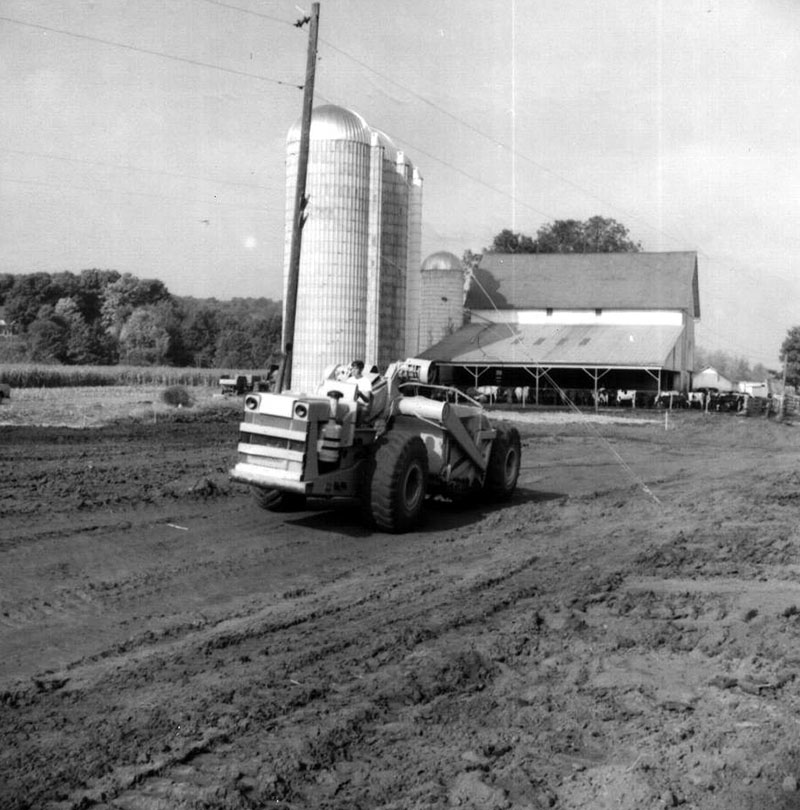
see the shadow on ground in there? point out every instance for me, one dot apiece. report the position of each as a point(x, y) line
point(440, 514)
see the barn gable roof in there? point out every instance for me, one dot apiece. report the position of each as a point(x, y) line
point(586, 281)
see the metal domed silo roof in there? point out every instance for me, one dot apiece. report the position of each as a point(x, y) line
point(332, 123)
point(389, 147)
point(441, 297)
point(442, 261)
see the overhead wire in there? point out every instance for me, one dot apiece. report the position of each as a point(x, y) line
point(150, 52)
point(362, 64)
point(251, 12)
point(471, 127)
point(456, 169)
point(496, 142)
point(47, 184)
point(131, 167)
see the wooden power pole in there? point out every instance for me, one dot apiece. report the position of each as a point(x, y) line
point(300, 200)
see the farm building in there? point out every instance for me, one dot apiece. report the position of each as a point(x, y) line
point(709, 377)
point(576, 322)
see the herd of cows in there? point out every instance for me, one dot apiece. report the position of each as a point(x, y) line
point(706, 399)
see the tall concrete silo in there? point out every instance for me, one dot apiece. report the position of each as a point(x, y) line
point(330, 322)
point(390, 232)
point(362, 232)
point(413, 280)
point(441, 298)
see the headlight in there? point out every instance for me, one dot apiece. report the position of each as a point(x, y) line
point(251, 402)
point(301, 410)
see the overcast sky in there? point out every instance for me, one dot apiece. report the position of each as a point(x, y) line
point(148, 136)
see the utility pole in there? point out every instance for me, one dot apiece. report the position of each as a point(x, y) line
point(300, 201)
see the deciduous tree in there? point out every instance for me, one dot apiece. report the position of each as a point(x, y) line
point(596, 235)
point(790, 355)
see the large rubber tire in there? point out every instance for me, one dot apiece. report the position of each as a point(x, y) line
point(504, 463)
point(273, 500)
point(397, 482)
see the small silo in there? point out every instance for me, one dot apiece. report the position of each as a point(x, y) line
point(330, 322)
point(441, 298)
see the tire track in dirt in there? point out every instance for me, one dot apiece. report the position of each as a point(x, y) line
point(339, 624)
point(574, 652)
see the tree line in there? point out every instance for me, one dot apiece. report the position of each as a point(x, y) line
point(103, 317)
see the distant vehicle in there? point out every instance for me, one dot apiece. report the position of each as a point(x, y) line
point(5, 391)
point(246, 384)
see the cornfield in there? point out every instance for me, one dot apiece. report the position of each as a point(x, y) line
point(25, 375)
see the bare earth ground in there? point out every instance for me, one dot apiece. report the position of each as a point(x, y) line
point(623, 634)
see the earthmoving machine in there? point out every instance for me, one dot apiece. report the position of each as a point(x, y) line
point(388, 441)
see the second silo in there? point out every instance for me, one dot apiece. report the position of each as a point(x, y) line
point(441, 298)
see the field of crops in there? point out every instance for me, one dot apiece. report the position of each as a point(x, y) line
point(29, 375)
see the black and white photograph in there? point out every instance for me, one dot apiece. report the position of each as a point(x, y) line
point(399, 405)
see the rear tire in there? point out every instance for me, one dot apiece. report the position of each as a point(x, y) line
point(274, 500)
point(397, 482)
point(504, 463)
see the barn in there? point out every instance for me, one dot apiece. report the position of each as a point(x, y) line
point(709, 377)
point(578, 323)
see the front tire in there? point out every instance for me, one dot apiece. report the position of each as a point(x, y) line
point(274, 500)
point(397, 483)
point(504, 463)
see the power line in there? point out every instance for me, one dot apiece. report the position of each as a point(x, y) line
point(160, 54)
point(129, 167)
point(510, 196)
point(251, 12)
point(498, 143)
point(450, 166)
point(46, 184)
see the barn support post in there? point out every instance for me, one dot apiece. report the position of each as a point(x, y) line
point(595, 374)
point(656, 375)
point(536, 372)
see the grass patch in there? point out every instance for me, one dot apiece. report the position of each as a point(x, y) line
point(94, 406)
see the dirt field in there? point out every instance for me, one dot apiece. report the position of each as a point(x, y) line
point(622, 635)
